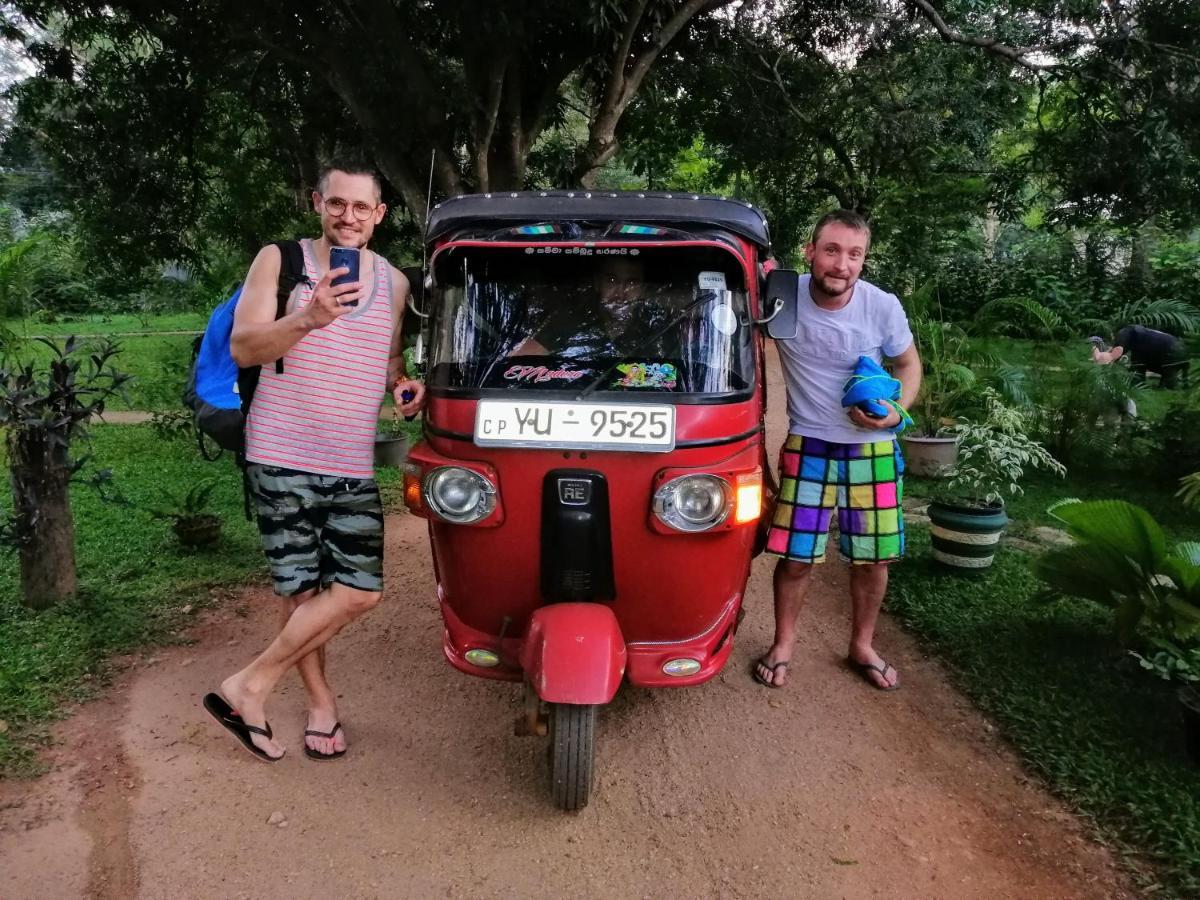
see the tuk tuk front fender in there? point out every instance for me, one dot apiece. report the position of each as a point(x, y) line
point(574, 653)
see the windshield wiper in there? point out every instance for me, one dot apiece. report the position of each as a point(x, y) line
point(703, 297)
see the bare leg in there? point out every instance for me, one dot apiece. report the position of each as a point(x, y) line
point(309, 626)
point(791, 585)
point(868, 584)
point(322, 703)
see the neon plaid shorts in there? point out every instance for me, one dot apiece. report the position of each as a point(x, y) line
point(863, 482)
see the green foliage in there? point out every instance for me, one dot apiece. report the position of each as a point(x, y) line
point(995, 453)
point(949, 383)
point(1104, 737)
point(1170, 662)
point(1189, 490)
point(195, 501)
point(52, 404)
point(1078, 410)
point(1121, 560)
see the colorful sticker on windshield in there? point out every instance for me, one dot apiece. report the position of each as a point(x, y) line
point(544, 228)
point(647, 375)
point(640, 229)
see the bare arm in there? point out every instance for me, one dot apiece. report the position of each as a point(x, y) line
point(907, 369)
point(258, 337)
point(397, 371)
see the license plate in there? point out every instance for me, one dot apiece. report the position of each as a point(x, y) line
point(575, 426)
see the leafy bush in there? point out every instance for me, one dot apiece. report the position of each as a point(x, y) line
point(994, 455)
point(1120, 559)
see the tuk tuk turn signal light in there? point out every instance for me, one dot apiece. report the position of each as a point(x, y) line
point(749, 498)
point(412, 488)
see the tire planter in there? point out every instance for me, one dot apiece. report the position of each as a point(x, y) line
point(390, 449)
point(929, 457)
point(1189, 706)
point(965, 538)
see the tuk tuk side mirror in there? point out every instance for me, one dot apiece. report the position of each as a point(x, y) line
point(781, 299)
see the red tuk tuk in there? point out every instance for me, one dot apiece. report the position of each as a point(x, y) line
point(593, 453)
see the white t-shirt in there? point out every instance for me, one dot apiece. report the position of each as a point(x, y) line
point(821, 357)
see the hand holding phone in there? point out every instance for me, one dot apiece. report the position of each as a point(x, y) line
point(344, 257)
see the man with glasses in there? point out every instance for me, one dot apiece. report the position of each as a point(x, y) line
point(310, 435)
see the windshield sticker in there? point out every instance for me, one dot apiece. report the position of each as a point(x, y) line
point(656, 376)
point(640, 229)
point(583, 251)
point(724, 319)
point(712, 281)
point(540, 374)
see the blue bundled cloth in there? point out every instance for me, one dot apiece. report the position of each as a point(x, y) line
point(874, 391)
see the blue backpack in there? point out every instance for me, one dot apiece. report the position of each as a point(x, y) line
point(218, 391)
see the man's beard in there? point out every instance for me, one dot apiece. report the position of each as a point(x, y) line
point(351, 239)
point(824, 286)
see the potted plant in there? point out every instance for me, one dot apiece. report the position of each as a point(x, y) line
point(391, 442)
point(948, 384)
point(192, 519)
point(967, 516)
point(1120, 559)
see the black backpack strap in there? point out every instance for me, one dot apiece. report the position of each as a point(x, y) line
point(291, 273)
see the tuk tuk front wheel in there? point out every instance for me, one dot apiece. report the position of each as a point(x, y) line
point(572, 754)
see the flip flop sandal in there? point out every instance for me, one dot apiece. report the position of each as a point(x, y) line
point(219, 709)
point(762, 661)
point(865, 669)
point(317, 754)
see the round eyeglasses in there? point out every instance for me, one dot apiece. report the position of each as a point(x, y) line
point(336, 206)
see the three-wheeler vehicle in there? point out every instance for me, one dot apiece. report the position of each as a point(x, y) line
point(593, 455)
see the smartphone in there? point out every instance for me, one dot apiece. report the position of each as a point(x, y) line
point(344, 257)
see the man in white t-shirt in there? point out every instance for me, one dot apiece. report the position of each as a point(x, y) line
point(838, 459)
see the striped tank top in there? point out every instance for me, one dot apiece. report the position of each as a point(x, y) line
point(320, 413)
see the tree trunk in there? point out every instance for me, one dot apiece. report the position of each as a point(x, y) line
point(45, 531)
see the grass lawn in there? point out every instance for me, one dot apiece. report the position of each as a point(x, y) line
point(98, 323)
point(1104, 734)
point(138, 586)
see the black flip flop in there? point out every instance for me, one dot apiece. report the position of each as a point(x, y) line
point(219, 708)
point(317, 754)
point(762, 661)
point(864, 669)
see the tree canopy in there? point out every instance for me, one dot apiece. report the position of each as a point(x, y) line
point(164, 118)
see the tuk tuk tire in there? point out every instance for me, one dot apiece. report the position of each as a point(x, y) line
point(572, 754)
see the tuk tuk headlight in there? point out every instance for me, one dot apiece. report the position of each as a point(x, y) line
point(693, 502)
point(459, 495)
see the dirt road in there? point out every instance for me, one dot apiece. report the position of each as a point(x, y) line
point(824, 789)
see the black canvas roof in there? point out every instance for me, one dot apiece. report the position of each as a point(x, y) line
point(658, 208)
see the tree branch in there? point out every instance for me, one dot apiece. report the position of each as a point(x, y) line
point(989, 45)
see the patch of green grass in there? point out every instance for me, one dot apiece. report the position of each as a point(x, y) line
point(135, 581)
point(99, 323)
point(1105, 735)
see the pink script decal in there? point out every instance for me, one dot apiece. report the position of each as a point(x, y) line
point(541, 373)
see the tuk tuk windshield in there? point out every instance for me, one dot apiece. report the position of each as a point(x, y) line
point(582, 319)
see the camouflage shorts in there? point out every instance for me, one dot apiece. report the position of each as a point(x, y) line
point(318, 529)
